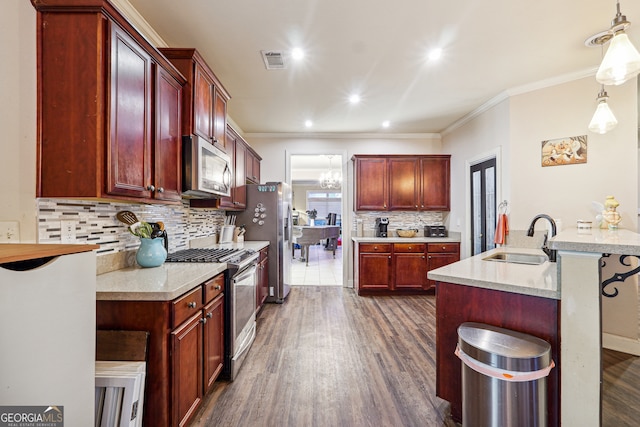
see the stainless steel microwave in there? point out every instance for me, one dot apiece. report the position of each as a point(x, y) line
point(206, 170)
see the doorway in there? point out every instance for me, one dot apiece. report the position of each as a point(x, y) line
point(483, 206)
point(317, 201)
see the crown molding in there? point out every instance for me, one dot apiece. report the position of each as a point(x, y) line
point(345, 135)
point(138, 21)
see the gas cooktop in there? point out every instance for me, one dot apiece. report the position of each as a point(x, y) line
point(211, 255)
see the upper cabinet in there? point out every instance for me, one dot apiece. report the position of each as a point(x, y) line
point(109, 108)
point(402, 182)
point(205, 99)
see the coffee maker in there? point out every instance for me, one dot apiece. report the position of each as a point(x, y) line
point(381, 227)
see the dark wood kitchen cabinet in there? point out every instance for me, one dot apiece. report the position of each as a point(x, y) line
point(388, 268)
point(409, 266)
point(204, 101)
point(252, 166)
point(439, 255)
point(185, 352)
point(107, 110)
point(262, 288)
point(374, 267)
point(402, 182)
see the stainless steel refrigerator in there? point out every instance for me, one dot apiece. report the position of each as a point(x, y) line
point(268, 217)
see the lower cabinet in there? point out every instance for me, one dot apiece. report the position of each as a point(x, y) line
point(262, 289)
point(401, 267)
point(186, 347)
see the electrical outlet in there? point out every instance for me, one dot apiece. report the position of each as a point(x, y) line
point(68, 231)
point(9, 232)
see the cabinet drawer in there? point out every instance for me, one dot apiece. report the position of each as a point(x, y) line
point(409, 247)
point(443, 247)
point(375, 247)
point(213, 287)
point(186, 306)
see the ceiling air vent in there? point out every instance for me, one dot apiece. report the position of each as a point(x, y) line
point(273, 60)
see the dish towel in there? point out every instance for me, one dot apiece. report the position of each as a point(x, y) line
point(502, 229)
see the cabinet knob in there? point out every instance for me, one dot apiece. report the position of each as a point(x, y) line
point(209, 315)
point(375, 248)
point(429, 256)
point(389, 256)
point(192, 304)
point(416, 206)
point(151, 187)
point(215, 139)
point(217, 287)
point(160, 190)
point(410, 248)
point(422, 256)
point(203, 320)
point(444, 248)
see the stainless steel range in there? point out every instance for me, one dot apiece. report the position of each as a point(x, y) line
point(240, 299)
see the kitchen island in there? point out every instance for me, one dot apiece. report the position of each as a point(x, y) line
point(574, 284)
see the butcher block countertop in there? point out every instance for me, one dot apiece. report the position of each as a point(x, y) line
point(163, 283)
point(12, 252)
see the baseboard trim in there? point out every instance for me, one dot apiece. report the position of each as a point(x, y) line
point(622, 344)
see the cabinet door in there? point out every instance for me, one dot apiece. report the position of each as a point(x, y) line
point(213, 341)
point(203, 93)
point(167, 168)
point(187, 350)
point(410, 271)
point(372, 187)
point(439, 260)
point(129, 152)
point(263, 282)
point(374, 271)
point(219, 120)
point(435, 183)
point(403, 183)
point(252, 167)
point(240, 187)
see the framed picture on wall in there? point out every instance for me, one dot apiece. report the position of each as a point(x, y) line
point(564, 151)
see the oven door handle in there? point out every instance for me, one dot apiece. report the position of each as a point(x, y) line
point(244, 274)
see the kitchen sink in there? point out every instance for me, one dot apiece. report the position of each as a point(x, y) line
point(517, 258)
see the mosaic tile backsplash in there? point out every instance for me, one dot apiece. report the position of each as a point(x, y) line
point(397, 220)
point(96, 223)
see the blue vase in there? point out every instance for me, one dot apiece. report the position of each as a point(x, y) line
point(151, 252)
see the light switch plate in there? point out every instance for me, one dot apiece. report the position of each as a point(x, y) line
point(9, 232)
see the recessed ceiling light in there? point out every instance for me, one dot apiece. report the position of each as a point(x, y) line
point(354, 99)
point(386, 124)
point(297, 53)
point(435, 54)
point(308, 123)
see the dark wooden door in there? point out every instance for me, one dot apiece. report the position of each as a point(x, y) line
point(375, 271)
point(129, 164)
point(203, 92)
point(435, 183)
point(220, 120)
point(167, 169)
point(372, 187)
point(410, 270)
point(213, 341)
point(403, 183)
point(187, 365)
point(240, 187)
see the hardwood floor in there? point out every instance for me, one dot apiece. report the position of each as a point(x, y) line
point(327, 357)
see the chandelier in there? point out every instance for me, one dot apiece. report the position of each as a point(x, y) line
point(331, 179)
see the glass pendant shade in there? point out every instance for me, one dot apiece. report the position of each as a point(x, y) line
point(620, 63)
point(603, 119)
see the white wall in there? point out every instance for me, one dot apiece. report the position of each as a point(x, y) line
point(516, 127)
point(566, 192)
point(18, 116)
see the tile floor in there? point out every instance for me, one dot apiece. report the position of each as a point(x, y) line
point(323, 269)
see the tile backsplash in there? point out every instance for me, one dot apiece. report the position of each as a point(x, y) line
point(96, 223)
point(397, 219)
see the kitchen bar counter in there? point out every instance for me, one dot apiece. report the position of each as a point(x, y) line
point(535, 280)
point(163, 283)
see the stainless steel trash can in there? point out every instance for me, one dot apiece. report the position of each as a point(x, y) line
point(503, 377)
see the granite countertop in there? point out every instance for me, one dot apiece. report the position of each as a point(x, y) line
point(535, 280)
point(620, 241)
point(163, 283)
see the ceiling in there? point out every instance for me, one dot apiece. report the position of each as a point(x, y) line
point(379, 50)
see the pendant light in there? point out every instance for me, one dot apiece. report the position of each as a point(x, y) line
point(622, 60)
point(603, 119)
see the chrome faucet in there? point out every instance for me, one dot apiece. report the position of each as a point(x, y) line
point(551, 253)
